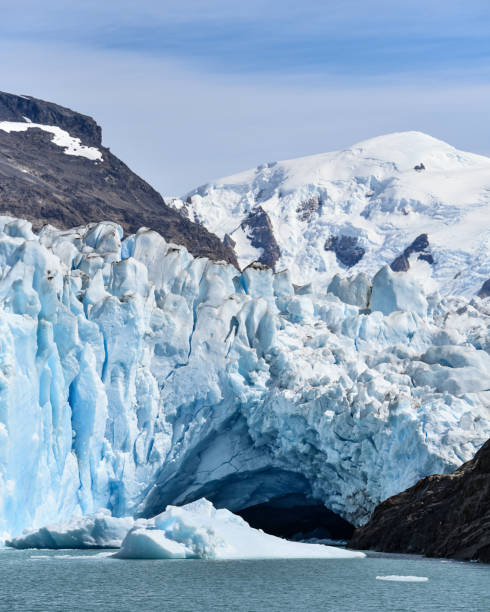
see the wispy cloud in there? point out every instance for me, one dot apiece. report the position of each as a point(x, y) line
point(188, 91)
point(360, 37)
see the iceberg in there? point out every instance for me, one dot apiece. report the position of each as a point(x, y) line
point(395, 578)
point(194, 531)
point(134, 376)
point(200, 531)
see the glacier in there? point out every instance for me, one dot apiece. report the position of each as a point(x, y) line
point(134, 376)
point(357, 209)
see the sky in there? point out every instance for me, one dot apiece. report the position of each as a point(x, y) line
point(192, 90)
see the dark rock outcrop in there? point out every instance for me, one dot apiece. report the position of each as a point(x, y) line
point(421, 246)
point(259, 228)
point(308, 208)
point(39, 182)
point(485, 290)
point(444, 515)
point(346, 249)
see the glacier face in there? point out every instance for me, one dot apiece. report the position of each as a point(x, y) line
point(133, 375)
point(359, 208)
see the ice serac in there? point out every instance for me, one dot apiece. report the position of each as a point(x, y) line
point(392, 292)
point(133, 376)
point(404, 199)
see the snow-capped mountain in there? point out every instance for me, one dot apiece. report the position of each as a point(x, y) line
point(133, 375)
point(402, 199)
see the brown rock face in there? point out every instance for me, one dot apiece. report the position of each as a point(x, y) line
point(485, 290)
point(262, 236)
point(39, 182)
point(444, 515)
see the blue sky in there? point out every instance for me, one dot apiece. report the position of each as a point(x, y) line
point(193, 90)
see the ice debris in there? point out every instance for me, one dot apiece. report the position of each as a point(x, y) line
point(194, 531)
point(396, 578)
point(100, 530)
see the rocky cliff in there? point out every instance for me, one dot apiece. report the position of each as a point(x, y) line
point(444, 515)
point(54, 169)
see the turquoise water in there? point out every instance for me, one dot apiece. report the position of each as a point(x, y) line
point(69, 581)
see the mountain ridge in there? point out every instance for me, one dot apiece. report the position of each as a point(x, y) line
point(46, 182)
point(357, 209)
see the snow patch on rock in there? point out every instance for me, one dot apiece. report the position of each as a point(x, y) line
point(61, 138)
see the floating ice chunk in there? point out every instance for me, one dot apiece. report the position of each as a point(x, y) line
point(98, 531)
point(198, 530)
point(395, 578)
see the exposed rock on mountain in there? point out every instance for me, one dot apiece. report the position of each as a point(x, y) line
point(54, 169)
point(259, 230)
point(485, 290)
point(421, 246)
point(444, 515)
point(346, 249)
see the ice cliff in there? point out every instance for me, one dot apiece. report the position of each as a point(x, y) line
point(133, 375)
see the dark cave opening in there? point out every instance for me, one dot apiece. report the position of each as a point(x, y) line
point(297, 516)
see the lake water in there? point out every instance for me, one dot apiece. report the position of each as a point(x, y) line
point(69, 581)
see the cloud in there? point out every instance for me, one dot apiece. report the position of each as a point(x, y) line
point(187, 91)
point(179, 127)
point(369, 37)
